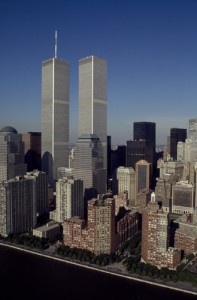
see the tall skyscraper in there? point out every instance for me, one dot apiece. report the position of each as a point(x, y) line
point(11, 154)
point(146, 131)
point(93, 99)
point(176, 135)
point(55, 116)
point(138, 150)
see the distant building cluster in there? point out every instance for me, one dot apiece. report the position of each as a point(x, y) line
point(97, 194)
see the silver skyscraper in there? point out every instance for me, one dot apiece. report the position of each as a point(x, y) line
point(93, 99)
point(55, 116)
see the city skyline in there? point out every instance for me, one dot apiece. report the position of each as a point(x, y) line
point(150, 48)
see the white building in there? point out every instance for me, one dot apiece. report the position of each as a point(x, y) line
point(126, 182)
point(69, 199)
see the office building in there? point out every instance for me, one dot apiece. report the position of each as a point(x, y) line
point(142, 170)
point(176, 135)
point(88, 165)
point(163, 193)
point(145, 131)
point(93, 99)
point(127, 182)
point(55, 116)
point(187, 151)
point(170, 168)
point(11, 154)
point(32, 150)
point(69, 199)
point(183, 197)
point(42, 203)
point(139, 150)
point(18, 205)
point(118, 158)
point(155, 238)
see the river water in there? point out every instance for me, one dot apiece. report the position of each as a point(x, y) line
point(25, 276)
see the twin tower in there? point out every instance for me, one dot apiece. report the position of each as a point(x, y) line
point(55, 109)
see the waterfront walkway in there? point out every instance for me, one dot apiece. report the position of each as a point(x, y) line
point(116, 269)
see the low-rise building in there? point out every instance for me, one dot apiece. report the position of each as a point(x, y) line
point(51, 230)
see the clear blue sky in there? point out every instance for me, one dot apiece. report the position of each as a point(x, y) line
point(150, 47)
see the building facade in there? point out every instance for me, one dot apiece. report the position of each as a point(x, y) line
point(155, 238)
point(139, 150)
point(88, 165)
point(163, 193)
point(18, 205)
point(32, 150)
point(127, 225)
point(127, 182)
point(98, 235)
point(11, 154)
point(183, 197)
point(42, 204)
point(69, 199)
point(145, 131)
point(176, 135)
point(55, 116)
point(192, 132)
point(142, 169)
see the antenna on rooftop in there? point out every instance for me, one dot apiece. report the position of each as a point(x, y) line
point(56, 44)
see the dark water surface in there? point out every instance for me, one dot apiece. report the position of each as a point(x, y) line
point(27, 276)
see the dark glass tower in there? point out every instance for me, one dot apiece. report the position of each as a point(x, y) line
point(176, 135)
point(145, 131)
point(143, 147)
